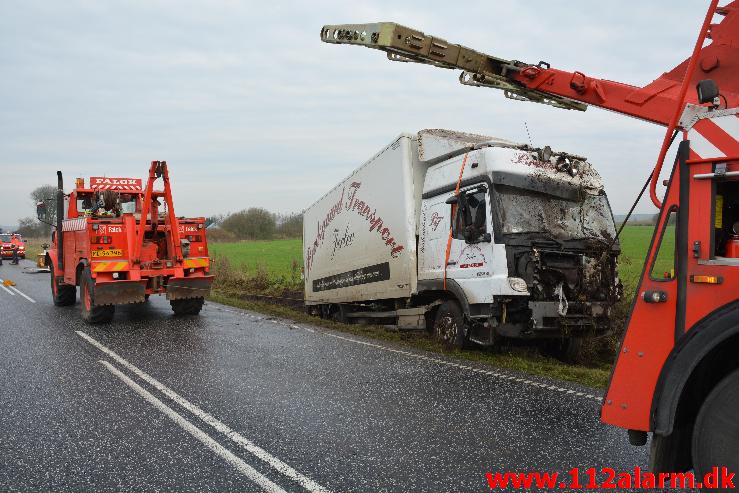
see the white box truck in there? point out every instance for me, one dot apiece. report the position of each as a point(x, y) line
point(469, 236)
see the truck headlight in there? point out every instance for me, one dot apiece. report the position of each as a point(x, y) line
point(518, 284)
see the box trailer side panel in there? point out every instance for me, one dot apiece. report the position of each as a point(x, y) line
point(359, 240)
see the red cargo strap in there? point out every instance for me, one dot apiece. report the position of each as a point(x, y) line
point(451, 218)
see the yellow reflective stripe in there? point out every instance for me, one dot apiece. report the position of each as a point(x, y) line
point(109, 266)
point(196, 262)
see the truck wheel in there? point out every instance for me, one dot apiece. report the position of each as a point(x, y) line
point(91, 313)
point(716, 430)
point(64, 295)
point(567, 349)
point(187, 306)
point(449, 327)
point(339, 314)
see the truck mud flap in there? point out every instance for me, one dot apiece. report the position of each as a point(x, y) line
point(179, 288)
point(119, 292)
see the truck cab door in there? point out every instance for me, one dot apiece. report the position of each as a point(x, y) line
point(470, 255)
point(469, 226)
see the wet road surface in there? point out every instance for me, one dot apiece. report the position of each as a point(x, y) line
point(235, 401)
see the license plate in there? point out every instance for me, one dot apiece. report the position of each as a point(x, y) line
point(107, 253)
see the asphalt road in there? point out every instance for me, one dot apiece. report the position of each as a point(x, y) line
point(235, 401)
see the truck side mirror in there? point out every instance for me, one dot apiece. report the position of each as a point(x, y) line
point(41, 211)
point(454, 199)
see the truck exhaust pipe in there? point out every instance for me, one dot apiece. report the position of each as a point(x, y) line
point(59, 214)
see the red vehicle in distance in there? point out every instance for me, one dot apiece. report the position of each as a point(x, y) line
point(8, 241)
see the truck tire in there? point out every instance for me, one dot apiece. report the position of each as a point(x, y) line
point(567, 350)
point(187, 306)
point(716, 429)
point(338, 314)
point(91, 313)
point(449, 326)
point(64, 295)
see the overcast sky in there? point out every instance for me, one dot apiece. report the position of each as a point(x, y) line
point(249, 108)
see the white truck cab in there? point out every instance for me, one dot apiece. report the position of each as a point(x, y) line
point(469, 236)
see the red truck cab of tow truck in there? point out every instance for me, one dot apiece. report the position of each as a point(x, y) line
point(120, 244)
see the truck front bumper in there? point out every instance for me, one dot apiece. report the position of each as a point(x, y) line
point(9, 254)
point(581, 319)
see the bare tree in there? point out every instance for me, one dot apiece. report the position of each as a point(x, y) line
point(47, 195)
point(290, 225)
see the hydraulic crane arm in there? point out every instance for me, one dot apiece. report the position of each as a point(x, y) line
point(543, 84)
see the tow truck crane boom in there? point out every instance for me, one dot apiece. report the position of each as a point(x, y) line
point(541, 83)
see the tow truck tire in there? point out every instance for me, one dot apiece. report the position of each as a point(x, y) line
point(188, 306)
point(449, 327)
point(64, 295)
point(716, 429)
point(91, 313)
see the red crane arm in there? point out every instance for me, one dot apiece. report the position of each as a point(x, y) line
point(654, 102)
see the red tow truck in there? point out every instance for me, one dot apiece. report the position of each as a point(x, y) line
point(121, 243)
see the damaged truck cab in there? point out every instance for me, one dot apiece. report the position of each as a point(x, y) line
point(469, 236)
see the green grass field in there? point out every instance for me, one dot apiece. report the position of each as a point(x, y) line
point(277, 256)
point(634, 245)
point(280, 257)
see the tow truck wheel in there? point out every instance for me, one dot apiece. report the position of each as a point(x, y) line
point(188, 306)
point(64, 295)
point(91, 313)
point(716, 430)
point(449, 325)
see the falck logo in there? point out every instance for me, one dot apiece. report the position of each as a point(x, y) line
point(105, 183)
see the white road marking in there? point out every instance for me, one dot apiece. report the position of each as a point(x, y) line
point(216, 447)
point(245, 443)
point(8, 289)
point(22, 294)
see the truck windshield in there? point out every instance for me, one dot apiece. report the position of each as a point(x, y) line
point(525, 211)
point(4, 238)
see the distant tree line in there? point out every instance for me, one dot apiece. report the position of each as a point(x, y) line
point(254, 223)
